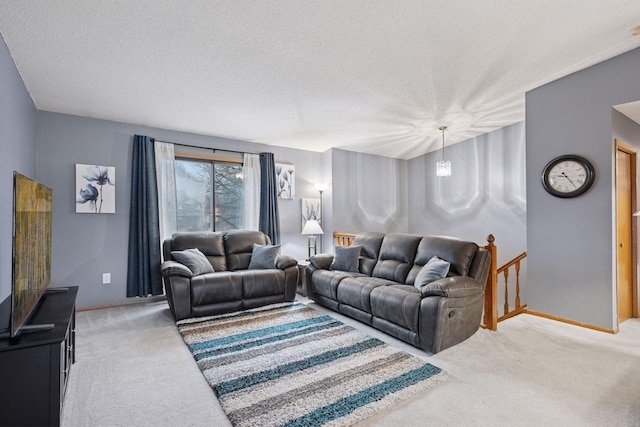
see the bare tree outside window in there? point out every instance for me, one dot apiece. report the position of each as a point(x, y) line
point(229, 200)
point(210, 195)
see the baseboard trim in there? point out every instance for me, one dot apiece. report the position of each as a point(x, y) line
point(569, 321)
point(148, 300)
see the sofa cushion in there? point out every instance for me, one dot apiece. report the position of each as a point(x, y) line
point(458, 252)
point(399, 304)
point(263, 257)
point(370, 243)
point(396, 257)
point(213, 288)
point(325, 282)
point(194, 260)
point(207, 242)
point(346, 258)
point(261, 283)
point(435, 269)
point(238, 246)
point(355, 291)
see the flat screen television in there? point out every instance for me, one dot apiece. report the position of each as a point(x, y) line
point(31, 250)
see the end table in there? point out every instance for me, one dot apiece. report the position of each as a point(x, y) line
point(302, 277)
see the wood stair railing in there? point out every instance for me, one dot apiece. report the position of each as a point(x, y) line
point(343, 239)
point(504, 270)
point(491, 318)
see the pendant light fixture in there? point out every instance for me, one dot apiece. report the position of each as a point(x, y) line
point(443, 168)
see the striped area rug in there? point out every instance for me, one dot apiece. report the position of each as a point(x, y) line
point(289, 365)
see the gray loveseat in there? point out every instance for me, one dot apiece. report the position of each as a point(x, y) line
point(380, 290)
point(232, 286)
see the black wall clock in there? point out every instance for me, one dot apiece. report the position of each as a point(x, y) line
point(568, 176)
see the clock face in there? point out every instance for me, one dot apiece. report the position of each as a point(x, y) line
point(568, 176)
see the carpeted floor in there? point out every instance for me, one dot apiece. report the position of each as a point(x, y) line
point(133, 369)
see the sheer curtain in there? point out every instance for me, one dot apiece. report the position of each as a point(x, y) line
point(143, 266)
point(251, 171)
point(167, 199)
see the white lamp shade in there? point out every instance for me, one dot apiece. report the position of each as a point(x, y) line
point(443, 168)
point(321, 186)
point(312, 227)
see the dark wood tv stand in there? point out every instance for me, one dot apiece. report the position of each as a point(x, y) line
point(35, 366)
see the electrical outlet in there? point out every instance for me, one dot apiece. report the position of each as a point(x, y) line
point(106, 278)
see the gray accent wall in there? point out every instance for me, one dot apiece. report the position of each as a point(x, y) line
point(369, 193)
point(571, 242)
point(87, 245)
point(18, 148)
point(485, 194)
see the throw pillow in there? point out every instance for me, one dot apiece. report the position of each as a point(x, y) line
point(194, 259)
point(264, 257)
point(433, 270)
point(346, 258)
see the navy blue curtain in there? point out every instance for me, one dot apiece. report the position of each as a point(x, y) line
point(269, 222)
point(143, 269)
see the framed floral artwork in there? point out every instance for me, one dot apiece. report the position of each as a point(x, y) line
point(310, 210)
point(95, 189)
point(285, 178)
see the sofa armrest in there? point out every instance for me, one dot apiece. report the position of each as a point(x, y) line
point(321, 261)
point(453, 287)
point(177, 286)
point(285, 261)
point(173, 268)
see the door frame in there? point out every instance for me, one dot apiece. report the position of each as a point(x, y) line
point(622, 146)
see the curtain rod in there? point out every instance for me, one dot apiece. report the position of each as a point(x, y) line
point(208, 148)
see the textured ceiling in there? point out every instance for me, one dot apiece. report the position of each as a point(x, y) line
point(371, 76)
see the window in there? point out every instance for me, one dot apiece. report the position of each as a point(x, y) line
point(210, 195)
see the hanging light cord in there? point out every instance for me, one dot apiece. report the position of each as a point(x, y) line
point(442, 128)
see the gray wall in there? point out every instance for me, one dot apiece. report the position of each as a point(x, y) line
point(328, 227)
point(85, 245)
point(485, 194)
point(369, 193)
point(309, 170)
point(18, 148)
point(571, 242)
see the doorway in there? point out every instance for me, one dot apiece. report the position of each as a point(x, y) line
point(626, 236)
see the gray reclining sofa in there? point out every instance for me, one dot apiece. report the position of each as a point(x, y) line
point(232, 285)
point(380, 290)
